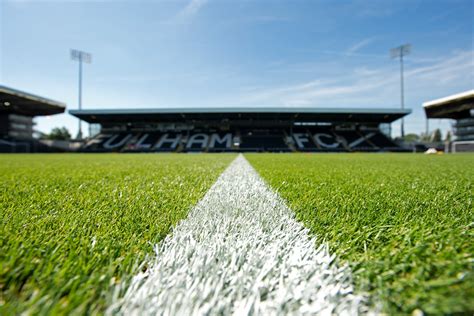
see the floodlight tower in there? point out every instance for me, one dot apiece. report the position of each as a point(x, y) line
point(86, 58)
point(399, 52)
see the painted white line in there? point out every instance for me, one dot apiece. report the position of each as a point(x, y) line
point(240, 251)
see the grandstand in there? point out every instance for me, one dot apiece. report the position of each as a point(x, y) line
point(17, 112)
point(459, 107)
point(261, 129)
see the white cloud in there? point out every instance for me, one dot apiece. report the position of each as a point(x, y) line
point(368, 87)
point(268, 18)
point(359, 45)
point(191, 9)
point(128, 79)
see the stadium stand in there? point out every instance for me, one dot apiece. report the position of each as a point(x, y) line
point(458, 107)
point(17, 112)
point(240, 130)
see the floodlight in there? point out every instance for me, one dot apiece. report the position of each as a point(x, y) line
point(400, 52)
point(82, 57)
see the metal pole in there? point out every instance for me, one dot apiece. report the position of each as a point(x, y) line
point(81, 57)
point(79, 135)
point(400, 52)
point(402, 94)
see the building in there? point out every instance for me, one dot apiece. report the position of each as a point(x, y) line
point(259, 129)
point(17, 112)
point(458, 107)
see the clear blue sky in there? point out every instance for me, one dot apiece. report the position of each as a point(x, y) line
point(238, 53)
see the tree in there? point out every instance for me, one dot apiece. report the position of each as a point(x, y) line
point(437, 136)
point(425, 137)
point(411, 138)
point(59, 133)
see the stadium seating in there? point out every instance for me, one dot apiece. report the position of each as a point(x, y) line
point(316, 139)
point(303, 140)
point(264, 143)
point(383, 141)
point(25, 146)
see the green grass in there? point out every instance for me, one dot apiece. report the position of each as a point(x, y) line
point(403, 222)
point(72, 226)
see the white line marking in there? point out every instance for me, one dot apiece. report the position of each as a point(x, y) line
point(240, 251)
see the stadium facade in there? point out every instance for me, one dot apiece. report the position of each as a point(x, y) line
point(259, 129)
point(17, 112)
point(458, 107)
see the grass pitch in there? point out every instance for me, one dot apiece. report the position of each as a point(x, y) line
point(72, 226)
point(403, 222)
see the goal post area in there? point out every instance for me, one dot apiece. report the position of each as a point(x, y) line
point(462, 146)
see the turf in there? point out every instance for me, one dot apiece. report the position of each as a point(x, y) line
point(73, 226)
point(403, 222)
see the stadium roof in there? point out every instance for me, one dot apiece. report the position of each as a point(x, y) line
point(454, 106)
point(20, 102)
point(299, 114)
